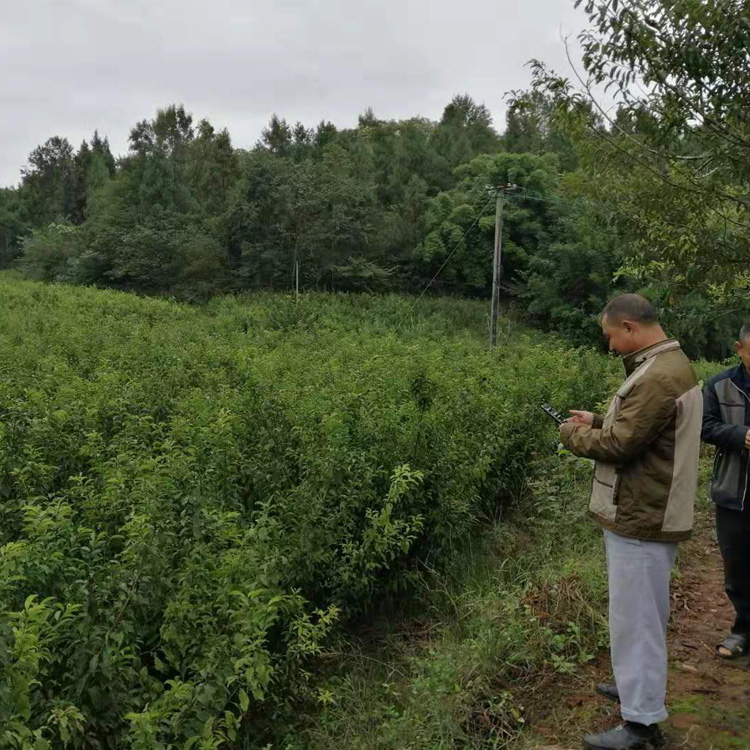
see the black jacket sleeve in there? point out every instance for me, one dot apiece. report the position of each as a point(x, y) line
point(715, 430)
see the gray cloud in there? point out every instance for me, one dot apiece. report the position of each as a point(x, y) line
point(72, 66)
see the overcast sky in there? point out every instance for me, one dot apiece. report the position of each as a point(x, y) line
point(68, 67)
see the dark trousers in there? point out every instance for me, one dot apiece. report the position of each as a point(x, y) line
point(733, 532)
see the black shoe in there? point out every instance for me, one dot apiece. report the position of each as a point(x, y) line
point(609, 690)
point(628, 736)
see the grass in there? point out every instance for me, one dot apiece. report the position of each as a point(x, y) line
point(518, 610)
point(520, 607)
point(711, 724)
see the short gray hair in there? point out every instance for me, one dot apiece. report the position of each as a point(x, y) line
point(633, 307)
point(744, 331)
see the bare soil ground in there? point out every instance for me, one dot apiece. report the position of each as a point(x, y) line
point(708, 698)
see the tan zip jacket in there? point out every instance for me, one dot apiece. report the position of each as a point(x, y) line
point(646, 447)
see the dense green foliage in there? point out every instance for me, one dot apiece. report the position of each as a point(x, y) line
point(670, 166)
point(651, 198)
point(525, 603)
point(193, 498)
point(378, 207)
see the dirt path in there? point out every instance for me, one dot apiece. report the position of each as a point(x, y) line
point(708, 698)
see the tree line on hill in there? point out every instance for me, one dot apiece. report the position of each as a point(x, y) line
point(650, 197)
point(379, 206)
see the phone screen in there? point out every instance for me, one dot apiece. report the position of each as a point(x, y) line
point(552, 413)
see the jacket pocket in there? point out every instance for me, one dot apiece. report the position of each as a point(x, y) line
point(718, 458)
point(604, 490)
point(616, 487)
point(728, 479)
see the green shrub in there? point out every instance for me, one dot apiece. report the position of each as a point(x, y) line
point(191, 500)
point(50, 253)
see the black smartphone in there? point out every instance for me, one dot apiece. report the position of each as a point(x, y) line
point(553, 413)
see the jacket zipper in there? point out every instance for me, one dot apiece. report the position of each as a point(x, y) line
point(747, 466)
point(716, 461)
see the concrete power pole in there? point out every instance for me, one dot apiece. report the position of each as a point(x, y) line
point(497, 267)
point(296, 270)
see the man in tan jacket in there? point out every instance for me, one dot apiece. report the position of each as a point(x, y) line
point(646, 450)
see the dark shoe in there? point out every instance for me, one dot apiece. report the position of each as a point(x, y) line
point(608, 690)
point(734, 646)
point(628, 736)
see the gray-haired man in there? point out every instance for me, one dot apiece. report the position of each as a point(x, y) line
point(646, 451)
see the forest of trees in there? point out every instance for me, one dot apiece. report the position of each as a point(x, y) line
point(376, 207)
point(650, 196)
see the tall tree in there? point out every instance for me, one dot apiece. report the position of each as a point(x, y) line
point(82, 163)
point(325, 133)
point(14, 224)
point(213, 168)
point(49, 181)
point(678, 151)
point(462, 221)
point(531, 127)
point(465, 130)
point(277, 137)
point(100, 146)
point(302, 141)
point(160, 147)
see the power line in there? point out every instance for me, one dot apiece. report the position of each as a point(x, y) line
point(561, 201)
point(596, 204)
point(571, 204)
point(452, 252)
point(525, 195)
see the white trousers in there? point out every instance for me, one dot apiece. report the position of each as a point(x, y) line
point(638, 613)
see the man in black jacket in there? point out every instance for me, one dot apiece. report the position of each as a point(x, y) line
point(726, 424)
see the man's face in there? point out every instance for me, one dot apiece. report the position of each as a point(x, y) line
point(743, 349)
point(621, 336)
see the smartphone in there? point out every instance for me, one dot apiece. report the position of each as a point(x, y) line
point(553, 413)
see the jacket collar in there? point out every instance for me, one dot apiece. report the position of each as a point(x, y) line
point(634, 360)
point(738, 375)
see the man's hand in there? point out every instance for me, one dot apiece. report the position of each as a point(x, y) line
point(585, 417)
point(747, 440)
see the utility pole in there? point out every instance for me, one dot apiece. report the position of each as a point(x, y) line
point(496, 266)
point(296, 270)
point(501, 191)
point(296, 280)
